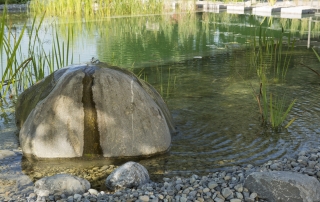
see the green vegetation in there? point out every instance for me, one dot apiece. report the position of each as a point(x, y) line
point(97, 8)
point(268, 59)
point(22, 70)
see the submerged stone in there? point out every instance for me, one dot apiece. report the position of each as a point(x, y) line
point(92, 109)
point(61, 184)
point(129, 175)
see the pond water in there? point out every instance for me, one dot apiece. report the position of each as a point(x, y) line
point(200, 65)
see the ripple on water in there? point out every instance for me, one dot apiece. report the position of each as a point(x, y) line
point(217, 118)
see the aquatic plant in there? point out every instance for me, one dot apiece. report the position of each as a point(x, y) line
point(270, 56)
point(278, 111)
point(96, 8)
point(266, 56)
point(9, 44)
point(24, 69)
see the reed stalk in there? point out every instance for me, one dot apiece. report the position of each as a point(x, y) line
point(266, 55)
point(98, 8)
point(278, 111)
point(22, 70)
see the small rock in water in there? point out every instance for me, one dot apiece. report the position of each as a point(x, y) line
point(129, 175)
point(6, 154)
point(61, 184)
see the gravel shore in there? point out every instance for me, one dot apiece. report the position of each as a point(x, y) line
point(220, 186)
point(226, 185)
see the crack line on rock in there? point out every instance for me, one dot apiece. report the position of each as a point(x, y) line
point(92, 145)
point(132, 97)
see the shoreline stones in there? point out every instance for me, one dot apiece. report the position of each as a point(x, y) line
point(226, 185)
point(92, 109)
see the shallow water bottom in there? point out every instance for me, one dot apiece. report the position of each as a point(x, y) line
point(216, 116)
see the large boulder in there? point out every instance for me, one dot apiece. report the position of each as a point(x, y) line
point(129, 175)
point(284, 186)
point(92, 109)
point(61, 184)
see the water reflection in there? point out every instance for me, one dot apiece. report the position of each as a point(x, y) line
point(148, 40)
point(212, 104)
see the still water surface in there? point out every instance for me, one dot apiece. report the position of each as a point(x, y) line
point(198, 62)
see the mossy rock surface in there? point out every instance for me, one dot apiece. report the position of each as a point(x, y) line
point(92, 109)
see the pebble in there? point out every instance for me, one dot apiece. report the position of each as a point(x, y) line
point(235, 200)
point(226, 192)
point(93, 192)
point(144, 198)
point(253, 195)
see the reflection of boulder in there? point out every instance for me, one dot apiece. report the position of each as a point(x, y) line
point(92, 109)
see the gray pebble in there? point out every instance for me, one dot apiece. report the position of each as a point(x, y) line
point(239, 188)
point(212, 185)
point(144, 198)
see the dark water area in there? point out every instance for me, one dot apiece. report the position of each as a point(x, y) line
point(199, 62)
point(218, 118)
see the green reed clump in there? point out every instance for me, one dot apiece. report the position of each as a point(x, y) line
point(267, 58)
point(97, 7)
point(22, 69)
point(9, 46)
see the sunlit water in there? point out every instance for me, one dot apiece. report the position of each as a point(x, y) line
point(199, 65)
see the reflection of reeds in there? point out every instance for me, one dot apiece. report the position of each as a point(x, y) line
point(129, 33)
point(164, 77)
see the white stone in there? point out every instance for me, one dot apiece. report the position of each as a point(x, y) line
point(144, 198)
point(61, 184)
point(93, 192)
point(129, 175)
point(6, 154)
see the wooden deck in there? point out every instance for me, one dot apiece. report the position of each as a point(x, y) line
point(284, 9)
